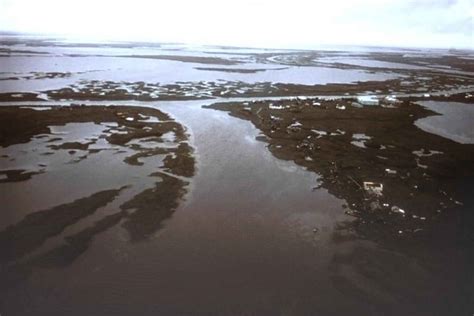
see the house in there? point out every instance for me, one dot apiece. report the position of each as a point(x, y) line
point(391, 99)
point(368, 100)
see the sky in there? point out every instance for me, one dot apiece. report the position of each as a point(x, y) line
point(251, 23)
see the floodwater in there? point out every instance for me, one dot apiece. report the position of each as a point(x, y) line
point(252, 237)
point(67, 176)
point(162, 71)
point(126, 64)
point(455, 121)
point(367, 63)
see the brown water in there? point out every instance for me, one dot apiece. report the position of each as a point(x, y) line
point(252, 238)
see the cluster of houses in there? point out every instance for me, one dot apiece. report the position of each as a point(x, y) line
point(370, 100)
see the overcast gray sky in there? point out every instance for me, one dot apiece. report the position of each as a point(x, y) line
point(259, 23)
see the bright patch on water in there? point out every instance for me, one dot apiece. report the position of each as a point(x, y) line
point(455, 121)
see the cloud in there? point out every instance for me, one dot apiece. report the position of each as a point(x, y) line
point(264, 23)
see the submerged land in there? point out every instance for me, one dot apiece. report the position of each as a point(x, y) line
point(170, 180)
point(353, 148)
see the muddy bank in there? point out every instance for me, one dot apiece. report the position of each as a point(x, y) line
point(142, 216)
point(405, 60)
point(30, 233)
point(455, 59)
point(187, 59)
point(16, 175)
point(53, 143)
point(236, 70)
point(96, 90)
point(151, 207)
point(19, 125)
point(256, 235)
point(397, 179)
point(87, 171)
point(141, 155)
point(37, 76)
point(30, 96)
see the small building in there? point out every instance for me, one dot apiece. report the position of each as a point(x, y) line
point(368, 100)
point(391, 99)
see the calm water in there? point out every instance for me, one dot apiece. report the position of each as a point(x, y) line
point(455, 121)
point(241, 243)
point(252, 236)
point(101, 63)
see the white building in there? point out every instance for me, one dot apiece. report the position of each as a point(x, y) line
point(368, 100)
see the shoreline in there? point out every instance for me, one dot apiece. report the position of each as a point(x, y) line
point(418, 170)
point(169, 180)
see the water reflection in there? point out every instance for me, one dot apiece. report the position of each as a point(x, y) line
point(455, 121)
point(35, 228)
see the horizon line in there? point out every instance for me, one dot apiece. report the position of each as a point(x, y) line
point(156, 41)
